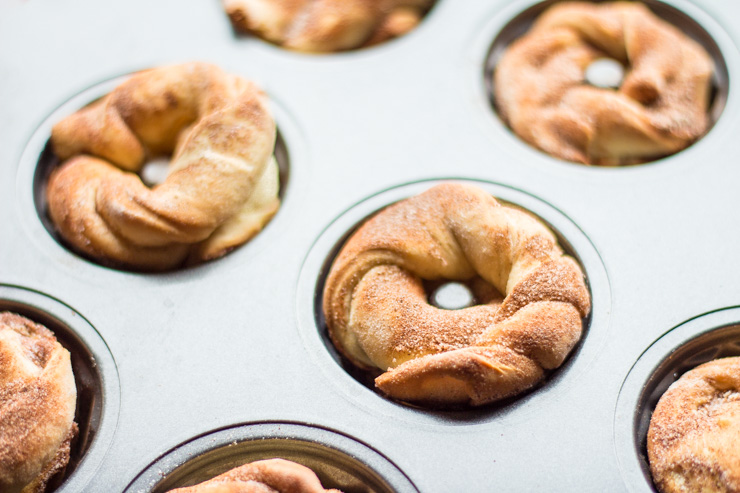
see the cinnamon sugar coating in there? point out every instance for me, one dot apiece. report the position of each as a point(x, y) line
point(264, 476)
point(37, 405)
point(326, 25)
point(379, 318)
point(694, 436)
point(222, 183)
point(660, 108)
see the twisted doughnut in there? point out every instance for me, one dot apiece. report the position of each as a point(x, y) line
point(326, 25)
point(378, 315)
point(660, 108)
point(694, 434)
point(37, 405)
point(264, 476)
point(222, 183)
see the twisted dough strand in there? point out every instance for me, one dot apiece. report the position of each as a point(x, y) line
point(326, 25)
point(660, 108)
point(378, 316)
point(222, 182)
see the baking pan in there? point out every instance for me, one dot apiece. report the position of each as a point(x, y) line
point(179, 365)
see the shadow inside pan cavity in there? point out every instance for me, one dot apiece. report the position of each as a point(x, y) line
point(153, 173)
point(604, 72)
point(88, 380)
point(449, 295)
point(720, 343)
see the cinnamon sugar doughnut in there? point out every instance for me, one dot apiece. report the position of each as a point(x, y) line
point(222, 186)
point(694, 436)
point(378, 316)
point(264, 476)
point(37, 405)
point(326, 25)
point(660, 108)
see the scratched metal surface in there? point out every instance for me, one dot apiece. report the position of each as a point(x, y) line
point(235, 342)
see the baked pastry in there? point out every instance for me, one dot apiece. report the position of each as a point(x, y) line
point(222, 186)
point(37, 405)
point(264, 476)
point(326, 25)
point(378, 316)
point(694, 435)
point(660, 108)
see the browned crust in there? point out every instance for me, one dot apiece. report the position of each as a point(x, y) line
point(271, 475)
point(56, 466)
point(326, 25)
point(378, 316)
point(661, 107)
point(694, 434)
point(222, 137)
point(37, 405)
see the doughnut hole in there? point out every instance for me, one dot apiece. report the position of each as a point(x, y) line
point(642, 89)
point(454, 295)
point(152, 173)
point(339, 461)
point(605, 72)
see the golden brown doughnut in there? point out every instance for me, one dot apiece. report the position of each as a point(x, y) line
point(264, 476)
point(694, 436)
point(222, 184)
point(37, 405)
point(326, 25)
point(660, 108)
point(378, 316)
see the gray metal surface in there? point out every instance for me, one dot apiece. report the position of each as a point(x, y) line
point(235, 341)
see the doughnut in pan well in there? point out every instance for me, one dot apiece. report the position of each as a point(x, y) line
point(321, 26)
point(222, 182)
point(379, 318)
point(660, 107)
point(264, 476)
point(38, 398)
point(694, 435)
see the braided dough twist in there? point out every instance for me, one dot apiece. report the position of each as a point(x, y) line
point(264, 476)
point(222, 183)
point(694, 434)
point(37, 405)
point(326, 25)
point(378, 315)
point(660, 108)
